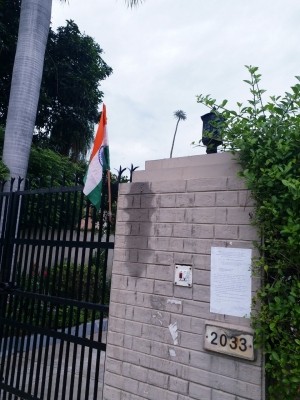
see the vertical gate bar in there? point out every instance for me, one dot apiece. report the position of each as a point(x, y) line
point(6, 211)
point(73, 222)
point(32, 281)
point(54, 236)
point(50, 375)
point(65, 374)
point(53, 292)
point(59, 367)
point(41, 289)
point(74, 204)
point(29, 348)
point(80, 295)
point(94, 291)
point(29, 268)
point(88, 369)
point(103, 298)
point(88, 285)
point(20, 279)
point(33, 340)
point(79, 387)
point(97, 373)
point(10, 232)
point(21, 272)
point(23, 341)
point(88, 294)
point(34, 315)
point(4, 200)
point(21, 282)
point(26, 348)
point(62, 229)
point(44, 387)
point(46, 319)
point(77, 311)
point(22, 232)
point(39, 314)
point(18, 342)
point(103, 289)
point(57, 275)
point(47, 254)
point(5, 370)
point(63, 225)
point(73, 370)
point(43, 355)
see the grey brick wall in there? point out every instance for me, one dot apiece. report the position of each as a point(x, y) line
point(159, 224)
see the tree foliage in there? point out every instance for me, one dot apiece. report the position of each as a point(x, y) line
point(70, 93)
point(3, 169)
point(49, 168)
point(9, 21)
point(265, 136)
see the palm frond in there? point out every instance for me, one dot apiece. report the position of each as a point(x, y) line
point(133, 3)
point(180, 115)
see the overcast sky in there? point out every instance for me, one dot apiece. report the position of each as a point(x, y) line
point(165, 52)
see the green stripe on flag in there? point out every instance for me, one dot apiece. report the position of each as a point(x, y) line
point(95, 195)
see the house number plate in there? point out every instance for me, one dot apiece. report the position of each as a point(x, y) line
point(229, 341)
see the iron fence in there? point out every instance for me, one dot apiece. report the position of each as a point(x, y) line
point(54, 294)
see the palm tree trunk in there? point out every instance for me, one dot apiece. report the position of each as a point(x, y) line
point(26, 82)
point(171, 153)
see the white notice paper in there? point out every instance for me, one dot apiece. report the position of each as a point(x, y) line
point(230, 291)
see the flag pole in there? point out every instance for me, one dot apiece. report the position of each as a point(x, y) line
point(109, 196)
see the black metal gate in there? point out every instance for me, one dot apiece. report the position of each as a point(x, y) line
point(54, 248)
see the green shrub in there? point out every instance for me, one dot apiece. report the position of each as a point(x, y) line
point(66, 281)
point(265, 136)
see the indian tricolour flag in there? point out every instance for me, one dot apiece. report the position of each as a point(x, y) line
point(98, 165)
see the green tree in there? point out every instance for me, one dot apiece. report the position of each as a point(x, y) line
point(47, 167)
point(70, 94)
point(265, 136)
point(70, 57)
point(179, 115)
point(3, 169)
point(26, 82)
point(9, 21)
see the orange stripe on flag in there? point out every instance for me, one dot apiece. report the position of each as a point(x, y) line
point(100, 133)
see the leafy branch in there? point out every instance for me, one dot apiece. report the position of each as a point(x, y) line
point(265, 135)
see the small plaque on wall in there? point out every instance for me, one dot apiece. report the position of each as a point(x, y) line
point(232, 342)
point(183, 275)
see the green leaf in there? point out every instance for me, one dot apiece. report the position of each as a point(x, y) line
point(275, 356)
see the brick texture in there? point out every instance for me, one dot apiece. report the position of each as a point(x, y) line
point(155, 343)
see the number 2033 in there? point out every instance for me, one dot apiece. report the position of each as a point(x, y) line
point(229, 341)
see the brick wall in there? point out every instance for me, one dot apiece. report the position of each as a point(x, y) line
point(161, 223)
